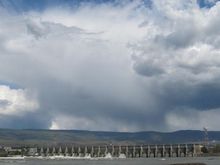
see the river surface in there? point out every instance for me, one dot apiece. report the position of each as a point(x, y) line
point(137, 161)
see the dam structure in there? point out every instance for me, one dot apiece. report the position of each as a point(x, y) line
point(136, 151)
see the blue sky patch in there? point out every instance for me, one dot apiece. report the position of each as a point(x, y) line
point(11, 85)
point(206, 3)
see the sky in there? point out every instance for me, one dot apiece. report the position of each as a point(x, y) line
point(110, 65)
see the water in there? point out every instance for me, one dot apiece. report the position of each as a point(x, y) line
point(141, 161)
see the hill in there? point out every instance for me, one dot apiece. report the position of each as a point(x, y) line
point(77, 137)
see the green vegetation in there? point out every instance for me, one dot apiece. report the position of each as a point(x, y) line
point(211, 150)
point(3, 153)
point(204, 149)
point(216, 149)
point(14, 153)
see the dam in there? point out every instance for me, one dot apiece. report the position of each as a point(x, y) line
point(131, 151)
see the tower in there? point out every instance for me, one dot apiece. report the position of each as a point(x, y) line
point(206, 137)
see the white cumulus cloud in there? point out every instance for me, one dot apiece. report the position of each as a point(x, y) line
point(16, 102)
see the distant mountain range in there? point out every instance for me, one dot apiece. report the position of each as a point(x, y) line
point(77, 137)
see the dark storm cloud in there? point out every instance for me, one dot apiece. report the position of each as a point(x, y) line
point(179, 39)
point(58, 98)
point(28, 121)
point(147, 69)
point(195, 96)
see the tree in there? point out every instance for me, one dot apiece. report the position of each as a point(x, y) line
point(216, 149)
point(204, 149)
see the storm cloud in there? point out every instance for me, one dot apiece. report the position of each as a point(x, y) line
point(115, 66)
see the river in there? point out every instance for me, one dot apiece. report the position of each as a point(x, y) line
point(137, 161)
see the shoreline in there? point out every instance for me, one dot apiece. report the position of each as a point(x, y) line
point(81, 158)
point(58, 158)
point(62, 157)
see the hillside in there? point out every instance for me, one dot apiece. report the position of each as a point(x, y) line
point(64, 137)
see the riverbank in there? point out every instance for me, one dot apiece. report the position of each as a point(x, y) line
point(12, 158)
point(114, 161)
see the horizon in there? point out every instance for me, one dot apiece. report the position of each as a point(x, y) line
point(110, 65)
point(103, 131)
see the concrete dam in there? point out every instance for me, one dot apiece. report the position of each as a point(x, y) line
point(177, 150)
